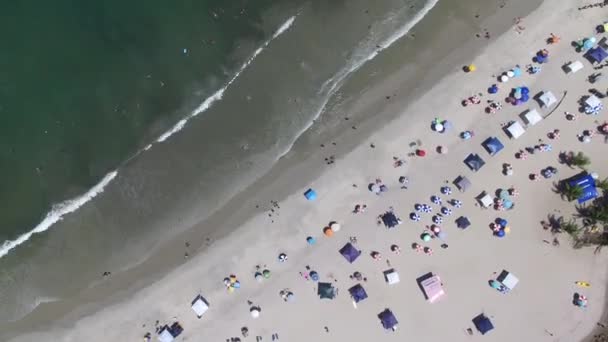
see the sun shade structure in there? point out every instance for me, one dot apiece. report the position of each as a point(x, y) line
point(462, 183)
point(200, 306)
point(390, 220)
point(493, 145)
point(350, 253)
point(310, 195)
point(391, 276)
point(388, 320)
point(483, 324)
point(515, 130)
point(597, 55)
point(431, 287)
point(507, 279)
point(593, 101)
point(358, 293)
point(169, 333)
point(463, 222)
point(474, 162)
point(573, 67)
point(547, 99)
point(587, 183)
point(326, 291)
point(531, 117)
point(485, 199)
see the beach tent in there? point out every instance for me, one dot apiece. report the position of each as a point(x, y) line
point(485, 199)
point(597, 54)
point(390, 220)
point(358, 293)
point(310, 195)
point(165, 335)
point(493, 145)
point(326, 291)
point(388, 319)
point(462, 183)
point(592, 101)
point(507, 279)
point(483, 324)
point(547, 99)
point(431, 287)
point(573, 67)
point(587, 183)
point(515, 130)
point(391, 276)
point(531, 117)
point(474, 162)
point(603, 43)
point(200, 306)
point(349, 252)
point(463, 222)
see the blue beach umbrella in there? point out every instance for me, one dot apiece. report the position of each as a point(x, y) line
point(500, 233)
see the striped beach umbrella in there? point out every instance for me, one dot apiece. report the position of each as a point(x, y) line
point(415, 217)
point(436, 200)
point(437, 219)
point(418, 207)
point(446, 211)
point(446, 190)
point(457, 203)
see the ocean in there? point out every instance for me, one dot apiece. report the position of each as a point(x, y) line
point(126, 124)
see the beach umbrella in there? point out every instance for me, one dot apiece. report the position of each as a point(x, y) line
point(517, 72)
point(420, 153)
point(446, 190)
point(442, 149)
point(290, 297)
point(502, 222)
point(493, 89)
point(426, 237)
point(328, 232)
point(442, 235)
point(236, 284)
point(457, 203)
point(525, 90)
point(314, 275)
point(375, 188)
point(510, 73)
point(418, 207)
point(415, 217)
point(594, 175)
point(436, 199)
point(282, 257)
point(504, 78)
point(437, 219)
point(439, 127)
point(335, 226)
point(311, 240)
point(500, 233)
point(447, 125)
point(258, 276)
point(255, 312)
point(266, 273)
point(471, 68)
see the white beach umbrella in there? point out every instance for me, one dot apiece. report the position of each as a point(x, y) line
point(255, 312)
point(335, 226)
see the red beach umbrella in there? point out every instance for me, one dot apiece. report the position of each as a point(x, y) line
point(420, 153)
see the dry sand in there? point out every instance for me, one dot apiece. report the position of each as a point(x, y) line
point(539, 309)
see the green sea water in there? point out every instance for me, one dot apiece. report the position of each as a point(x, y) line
point(84, 84)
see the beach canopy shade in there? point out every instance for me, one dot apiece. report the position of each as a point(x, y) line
point(573, 67)
point(349, 252)
point(388, 319)
point(326, 291)
point(358, 293)
point(391, 276)
point(485, 199)
point(463, 222)
point(165, 335)
point(593, 101)
point(597, 54)
point(547, 99)
point(431, 286)
point(507, 279)
point(310, 195)
point(483, 324)
point(200, 306)
point(389, 219)
point(493, 145)
point(474, 162)
point(587, 183)
point(531, 117)
point(462, 183)
point(515, 129)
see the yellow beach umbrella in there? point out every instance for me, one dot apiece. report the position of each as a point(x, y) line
point(471, 67)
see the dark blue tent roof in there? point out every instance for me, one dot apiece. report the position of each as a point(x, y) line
point(389, 219)
point(597, 54)
point(388, 319)
point(349, 252)
point(483, 324)
point(493, 145)
point(587, 183)
point(474, 162)
point(358, 293)
point(326, 291)
point(463, 222)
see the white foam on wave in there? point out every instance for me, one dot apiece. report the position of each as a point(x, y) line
point(330, 86)
point(57, 213)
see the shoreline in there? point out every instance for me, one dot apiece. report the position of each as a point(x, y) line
point(368, 125)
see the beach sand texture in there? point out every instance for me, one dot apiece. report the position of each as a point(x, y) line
point(538, 309)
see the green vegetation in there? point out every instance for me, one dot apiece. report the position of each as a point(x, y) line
point(579, 159)
point(571, 192)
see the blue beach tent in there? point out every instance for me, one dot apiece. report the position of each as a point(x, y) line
point(474, 162)
point(358, 293)
point(350, 253)
point(587, 183)
point(483, 324)
point(463, 222)
point(310, 195)
point(388, 320)
point(597, 55)
point(493, 145)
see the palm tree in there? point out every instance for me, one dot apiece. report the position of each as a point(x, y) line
point(580, 159)
point(598, 213)
point(602, 184)
point(570, 227)
point(571, 192)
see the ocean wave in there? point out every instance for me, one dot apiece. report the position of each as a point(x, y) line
point(57, 213)
point(366, 54)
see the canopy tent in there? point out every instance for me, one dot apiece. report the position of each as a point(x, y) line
point(573, 67)
point(474, 162)
point(463, 222)
point(597, 55)
point(200, 306)
point(310, 195)
point(547, 99)
point(493, 145)
point(349, 252)
point(462, 183)
point(431, 286)
point(326, 291)
point(483, 324)
point(592, 101)
point(485, 199)
point(165, 336)
point(358, 293)
point(507, 279)
point(587, 183)
point(515, 129)
point(531, 117)
point(388, 319)
point(390, 220)
point(391, 276)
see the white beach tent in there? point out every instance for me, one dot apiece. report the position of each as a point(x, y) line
point(200, 306)
point(485, 199)
point(165, 336)
point(573, 67)
point(531, 117)
point(547, 99)
point(391, 276)
point(593, 101)
point(515, 130)
point(507, 279)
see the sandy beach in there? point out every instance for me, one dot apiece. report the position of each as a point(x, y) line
point(540, 308)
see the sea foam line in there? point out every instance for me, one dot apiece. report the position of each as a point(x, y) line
point(57, 212)
point(332, 85)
